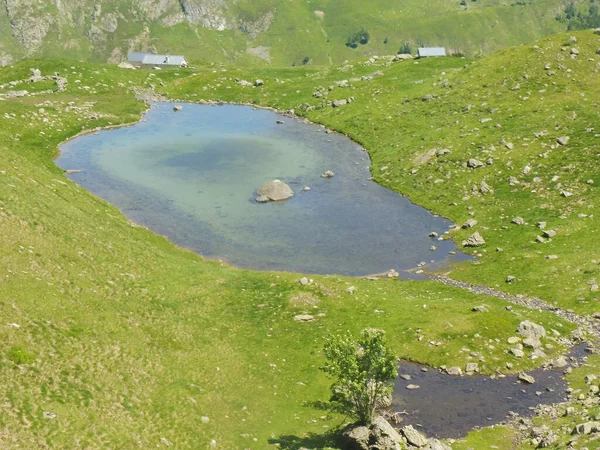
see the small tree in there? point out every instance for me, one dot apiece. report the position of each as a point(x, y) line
point(363, 371)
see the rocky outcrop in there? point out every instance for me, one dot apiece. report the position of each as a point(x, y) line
point(382, 436)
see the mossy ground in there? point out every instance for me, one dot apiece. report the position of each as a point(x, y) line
point(131, 341)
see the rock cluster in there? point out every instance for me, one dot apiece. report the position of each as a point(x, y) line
point(382, 436)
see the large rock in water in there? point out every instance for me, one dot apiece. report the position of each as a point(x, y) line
point(414, 437)
point(275, 191)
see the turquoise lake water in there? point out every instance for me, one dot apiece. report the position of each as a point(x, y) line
point(192, 176)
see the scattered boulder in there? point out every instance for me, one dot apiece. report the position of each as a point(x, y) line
point(351, 290)
point(177, 108)
point(472, 367)
point(517, 352)
point(259, 83)
point(245, 83)
point(357, 438)
point(275, 191)
point(531, 343)
point(475, 240)
point(549, 234)
point(514, 340)
point(412, 387)
point(560, 362)
point(518, 221)
point(474, 163)
point(304, 318)
point(262, 199)
point(328, 174)
point(434, 444)
point(530, 329)
point(511, 279)
point(413, 437)
point(525, 378)
point(384, 436)
point(304, 281)
point(428, 97)
point(339, 103)
point(454, 371)
point(587, 428)
point(126, 65)
point(469, 224)
point(563, 140)
point(481, 308)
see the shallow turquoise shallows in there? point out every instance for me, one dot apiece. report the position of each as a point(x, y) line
point(192, 176)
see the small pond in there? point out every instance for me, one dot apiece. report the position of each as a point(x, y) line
point(447, 406)
point(192, 176)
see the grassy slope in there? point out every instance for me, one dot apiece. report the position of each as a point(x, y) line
point(129, 340)
point(297, 32)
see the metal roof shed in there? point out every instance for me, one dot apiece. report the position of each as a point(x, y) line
point(432, 51)
point(137, 57)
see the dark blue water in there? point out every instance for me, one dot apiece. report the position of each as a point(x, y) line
point(192, 175)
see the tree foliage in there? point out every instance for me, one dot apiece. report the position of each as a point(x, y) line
point(363, 372)
point(360, 37)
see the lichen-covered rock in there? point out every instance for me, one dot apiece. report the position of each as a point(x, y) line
point(413, 437)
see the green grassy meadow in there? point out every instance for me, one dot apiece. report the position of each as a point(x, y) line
point(112, 337)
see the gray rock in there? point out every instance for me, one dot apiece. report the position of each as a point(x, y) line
point(427, 98)
point(469, 224)
point(262, 199)
point(475, 240)
point(413, 437)
point(531, 343)
point(304, 318)
point(472, 367)
point(357, 438)
point(339, 103)
point(549, 234)
point(513, 340)
point(351, 290)
point(177, 108)
point(328, 174)
point(434, 444)
point(530, 329)
point(454, 371)
point(518, 353)
point(518, 221)
point(474, 163)
point(526, 378)
point(245, 83)
point(481, 308)
point(511, 279)
point(126, 65)
point(485, 188)
point(560, 362)
point(587, 428)
point(563, 140)
point(259, 83)
point(541, 225)
point(512, 181)
point(304, 281)
point(384, 436)
point(412, 387)
point(275, 190)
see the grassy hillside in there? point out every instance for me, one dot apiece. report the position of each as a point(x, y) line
point(113, 337)
point(281, 33)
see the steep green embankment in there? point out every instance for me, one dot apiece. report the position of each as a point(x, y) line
point(112, 337)
point(256, 32)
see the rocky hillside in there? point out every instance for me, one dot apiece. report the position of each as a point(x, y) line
point(278, 32)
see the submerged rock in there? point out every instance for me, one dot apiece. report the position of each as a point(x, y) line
point(275, 191)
